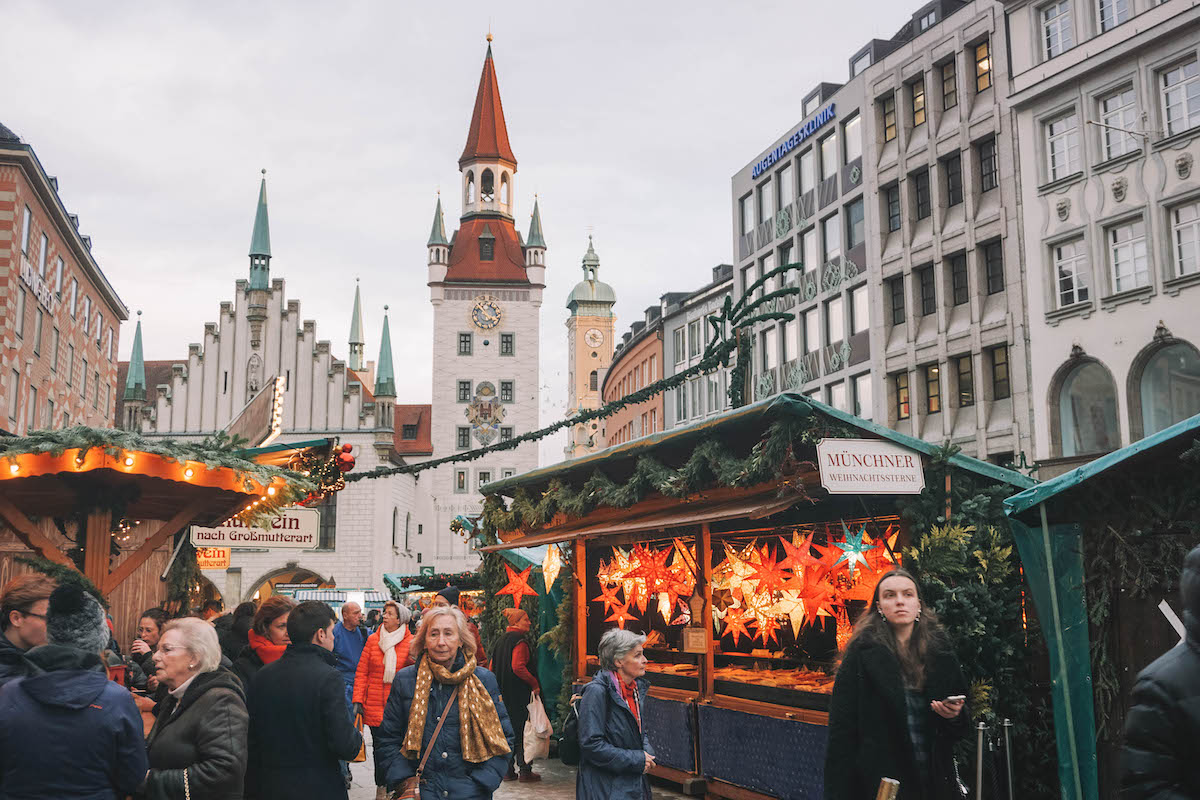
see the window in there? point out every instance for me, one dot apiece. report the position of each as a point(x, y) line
point(832, 235)
point(926, 22)
point(966, 381)
point(506, 433)
point(54, 336)
point(952, 166)
point(829, 159)
point(860, 310)
point(949, 86)
point(99, 326)
point(835, 323)
point(852, 139)
point(812, 331)
point(677, 339)
point(74, 296)
point(70, 363)
point(903, 409)
point(1118, 112)
point(989, 166)
point(408, 432)
point(680, 403)
point(38, 320)
point(33, 408)
point(1071, 271)
point(808, 249)
point(460, 481)
point(855, 232)
point(487, 248)
point(695, 343)
point(465, 342)
point(787, 186)
point(594, 381)
point(1113, 13)
point(895, 290)
point(925, 280)
point(1087, 406)
point(108, 342)
point(1001, 388)
point(892, 197)
point(769, 360)
point(508, 344)
point(921, 192)
point(26, 223)
point(1057, 36)
point(1127, 253)
point(933, 389)
point(808, 173)
point(1185, 235)
point(49, 413)
point(747, 282)
point(1181, 97)
point(766, 201)
point(983, 66)
point(464, 391)
point(19, 322)
point(746, 214)
point(888, 108)
point(462, 437)
point(1168, 388)
point(917, 97)
point(42, 254)
point(653, 367)
point(507, 473)
point(694, 387)
point(59, 269)
point(506, 392)
point(714, 397)
point(13, 382)
point(862, 395)
point(96, 386)
point(1062, 146)
point(993, 267)
point(959, 286)
point(837, 395)
point(860, 63)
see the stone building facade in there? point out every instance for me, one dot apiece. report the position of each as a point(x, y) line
point(590, 347)
point(637, 363)
point(686, 333)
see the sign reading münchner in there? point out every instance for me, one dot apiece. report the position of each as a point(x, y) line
point(869, 466)
point(295, 529)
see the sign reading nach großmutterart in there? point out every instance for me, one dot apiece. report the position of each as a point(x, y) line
point(295, 528)
point(869, 466)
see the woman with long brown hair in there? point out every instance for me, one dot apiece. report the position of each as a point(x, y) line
point(897, 704)
point(268, 638)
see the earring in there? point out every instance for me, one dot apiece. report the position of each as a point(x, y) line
point(191, 666)
point(880, 610)
point(918, 617)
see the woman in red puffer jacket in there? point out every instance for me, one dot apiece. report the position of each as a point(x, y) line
point(384, 654)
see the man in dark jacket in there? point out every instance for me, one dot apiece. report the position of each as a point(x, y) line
point(24, 602)
point(299, 728)
point(1163, 725)
point(68, 731)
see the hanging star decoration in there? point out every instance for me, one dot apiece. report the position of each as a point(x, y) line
point(768, 574)
point(816, 595)
point(620, 615)
point(518, 585)
point(797, 552)
point(608, 596)
point(791, 606)
point(735, 624)
point(767, 628)
point(881, 556)
point(853, 549)
point(551, 566)
point(735, 568)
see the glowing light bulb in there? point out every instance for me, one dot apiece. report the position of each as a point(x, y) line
point(14, 469)
point(271, 490)
point(187, 473)
point(129, 461)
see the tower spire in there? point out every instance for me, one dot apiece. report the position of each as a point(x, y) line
point(488, 134)
point(385, 377)
point(437, 236)
point(356, 331)
point(535, 228)
point(135, 379)
point(260, 241)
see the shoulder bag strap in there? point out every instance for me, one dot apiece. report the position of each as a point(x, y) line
point(437, 730)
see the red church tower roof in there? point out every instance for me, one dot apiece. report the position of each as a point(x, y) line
point(507, 264)
point(488, 136)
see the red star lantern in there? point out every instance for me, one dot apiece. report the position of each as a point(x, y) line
point(797, 553)
point(767, 628)
point(518, 585)
point(620, 615)
point(768, 574)
point(735, 624)
point(652, 567)
point(608, 596)
point(816, 594)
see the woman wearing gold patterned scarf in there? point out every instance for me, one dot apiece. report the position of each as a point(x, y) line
point(445, 712)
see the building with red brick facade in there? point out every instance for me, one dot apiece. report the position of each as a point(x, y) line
point(59, 315)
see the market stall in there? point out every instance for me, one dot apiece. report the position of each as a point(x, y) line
point(743, 547)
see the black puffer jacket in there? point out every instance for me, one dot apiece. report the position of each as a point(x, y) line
point(868, 726)
point(205, 733)
point(1163, 726)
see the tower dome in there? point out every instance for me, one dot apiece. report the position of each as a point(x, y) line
point(590, 290)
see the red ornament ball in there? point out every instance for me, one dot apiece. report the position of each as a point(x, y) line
point(345, 461)
point(346, 448)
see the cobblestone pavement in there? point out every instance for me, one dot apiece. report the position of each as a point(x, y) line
point(558, 783)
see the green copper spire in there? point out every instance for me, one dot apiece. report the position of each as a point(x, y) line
point(535, 229)
point(385, 378)
point(437, 236)
point(260, 241)
point(135, 379)
point(590, 260)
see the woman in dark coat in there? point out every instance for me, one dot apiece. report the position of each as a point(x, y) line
point(150, 628)
point(198, 744)
point(472, 750)
point(897, 704)
point(268, 638)
point(615, 753)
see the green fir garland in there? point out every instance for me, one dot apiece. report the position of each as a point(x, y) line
point(61, 574)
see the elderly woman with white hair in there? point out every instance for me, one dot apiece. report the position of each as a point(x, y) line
point(615, 753)
point(197, 747)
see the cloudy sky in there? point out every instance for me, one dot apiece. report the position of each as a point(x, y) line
point(627, 119)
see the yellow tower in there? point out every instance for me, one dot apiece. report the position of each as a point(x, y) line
point(590, 350)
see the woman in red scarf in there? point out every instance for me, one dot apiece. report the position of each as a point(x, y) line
point(268, 639)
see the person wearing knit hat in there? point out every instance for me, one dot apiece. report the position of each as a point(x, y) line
point(82, 730)
point(449, 597)
point(512, 664)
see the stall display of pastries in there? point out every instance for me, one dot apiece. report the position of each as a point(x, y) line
point(800, 679)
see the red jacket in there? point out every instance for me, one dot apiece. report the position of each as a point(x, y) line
point(369, 688)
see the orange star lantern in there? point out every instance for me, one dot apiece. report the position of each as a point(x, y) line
point(735, 624)
point(518, 585)
point(608, 596)
point(768, 573)
point(620, 615)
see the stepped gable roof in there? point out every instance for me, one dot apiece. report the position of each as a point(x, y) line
point(488, 135)
point(422, 417)
point(508, 263)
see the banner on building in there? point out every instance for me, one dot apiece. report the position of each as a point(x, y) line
point(294, 529)
point(869, 466)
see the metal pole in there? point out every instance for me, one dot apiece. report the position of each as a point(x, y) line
point(1008, 755)
point(183, 538)
point(981, 729)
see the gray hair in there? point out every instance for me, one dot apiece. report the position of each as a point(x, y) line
point(402, 611)
point(615, 645)
point(466, 639)
point(200, 639)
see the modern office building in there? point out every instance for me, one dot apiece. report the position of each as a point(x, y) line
point(1106, 101)
point(686, 334)
point(889, 192)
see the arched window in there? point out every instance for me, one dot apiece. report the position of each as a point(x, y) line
point(594, 380)
point(504, 188)
point(470, 198)
point(407, 526)
point(395, 519)
point(1170, 387)
point(487, 186)
point(1087, 411)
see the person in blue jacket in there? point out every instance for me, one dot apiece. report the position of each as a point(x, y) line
point(471, 753)
point(615, 753)
point(67, 730)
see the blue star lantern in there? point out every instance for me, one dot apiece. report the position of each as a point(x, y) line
point(853, 549)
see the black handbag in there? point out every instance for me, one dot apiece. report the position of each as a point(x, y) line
point(568, 743)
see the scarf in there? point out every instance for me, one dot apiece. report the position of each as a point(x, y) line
point(267, 650)
point(478, 722)
point(387, 643)
point(629, 692)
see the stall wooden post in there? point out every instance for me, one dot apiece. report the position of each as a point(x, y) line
point(97, 556)
point(704, 553)
point(581, 604)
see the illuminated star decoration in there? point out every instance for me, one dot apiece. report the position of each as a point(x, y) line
point(608, 596)
point(798, 553)
point(551, 566)
point(791, 606)
point(853, 549)
point(620, 615)
point(735, 624)
point(518, 585)
point(768, 573)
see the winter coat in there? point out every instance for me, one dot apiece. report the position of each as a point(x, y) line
point(348, 647)
point(868, 725)
point(245, 667)
point(369, 688)
point(1158, 759)
point(68, 731)
point(203, 732)
point(233, 640)
point(13, 663)
point(446, 773)
point(299, 728)
point(612, 745)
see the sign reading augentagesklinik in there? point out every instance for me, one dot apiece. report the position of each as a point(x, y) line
point(869, 466)
point(793, 141)
point(295, 529)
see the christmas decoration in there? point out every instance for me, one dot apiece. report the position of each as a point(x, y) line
point(620, 615)
point(345, 461)
point(518, 584)
point(551, 566)
point(735, 624)
point(767, 573)
point(608, 596)
point(853, 549)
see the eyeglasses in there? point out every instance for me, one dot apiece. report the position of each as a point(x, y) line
point(170, 648)
point(31, 614)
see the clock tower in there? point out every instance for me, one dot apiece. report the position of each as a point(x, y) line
point(485, 284)
point(589, 350)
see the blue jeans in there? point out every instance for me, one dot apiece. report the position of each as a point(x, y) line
point(349, 710)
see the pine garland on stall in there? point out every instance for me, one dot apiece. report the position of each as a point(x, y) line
point(61, 574)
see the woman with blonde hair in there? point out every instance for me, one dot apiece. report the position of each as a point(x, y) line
point(445, 726)
point(384, 654)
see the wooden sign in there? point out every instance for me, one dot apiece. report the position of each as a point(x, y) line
point(694, 640)
point(293, 529)
point(212, 557)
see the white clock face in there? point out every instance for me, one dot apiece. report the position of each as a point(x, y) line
point(594, 337)
point(485, 314)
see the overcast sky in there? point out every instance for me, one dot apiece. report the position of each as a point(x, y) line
point(627, 119)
